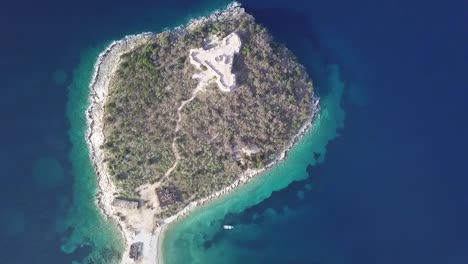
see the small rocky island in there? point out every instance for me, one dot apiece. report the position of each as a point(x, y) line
point(181, 117)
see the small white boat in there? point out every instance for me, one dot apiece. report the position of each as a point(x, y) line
point(228, 227)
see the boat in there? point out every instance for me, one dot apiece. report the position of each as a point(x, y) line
point(228, 227)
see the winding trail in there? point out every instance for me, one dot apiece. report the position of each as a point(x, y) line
point(145, 220)
point(218, 62)
point(177, 128)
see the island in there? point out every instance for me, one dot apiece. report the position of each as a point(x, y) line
point(181, 117)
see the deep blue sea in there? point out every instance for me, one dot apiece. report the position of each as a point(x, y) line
point(388, 186)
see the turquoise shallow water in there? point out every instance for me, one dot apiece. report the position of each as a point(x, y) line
point(88, 224)
point(186, 240)
point(84, 223)
point(391, 187)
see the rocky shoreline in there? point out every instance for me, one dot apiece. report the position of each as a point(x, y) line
point(251, 173)
point(105, 67)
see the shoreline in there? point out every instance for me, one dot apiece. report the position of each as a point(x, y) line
point(251, 173)
point(105, 66)
point(243, 179)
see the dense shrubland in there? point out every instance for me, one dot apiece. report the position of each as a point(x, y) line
point(271, 102)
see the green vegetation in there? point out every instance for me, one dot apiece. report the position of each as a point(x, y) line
point(271, 102)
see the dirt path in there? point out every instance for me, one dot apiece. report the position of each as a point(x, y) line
point(177, 128)
point(226, 49)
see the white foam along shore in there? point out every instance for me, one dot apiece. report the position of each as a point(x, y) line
point(105, 66)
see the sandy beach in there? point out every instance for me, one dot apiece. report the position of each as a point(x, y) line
point(147, 230)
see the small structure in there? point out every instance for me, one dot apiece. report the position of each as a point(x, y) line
point(236, 154)
point(126, 203)
point(168, 196)
point(250, 149)
point(136, 251)
point(159, 223)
